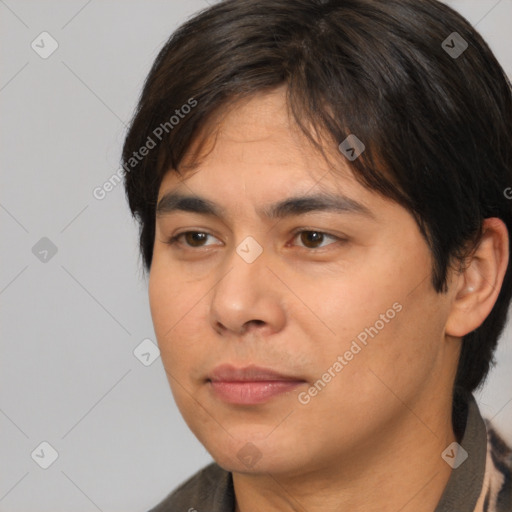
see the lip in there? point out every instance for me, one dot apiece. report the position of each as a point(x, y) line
point(250, 385)
point(251, 373)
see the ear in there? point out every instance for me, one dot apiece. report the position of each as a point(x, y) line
point(476, 287)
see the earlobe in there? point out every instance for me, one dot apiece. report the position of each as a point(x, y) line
point(477, 286)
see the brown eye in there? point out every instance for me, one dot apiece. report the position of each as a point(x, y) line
point(313, 239)
point(195, 238)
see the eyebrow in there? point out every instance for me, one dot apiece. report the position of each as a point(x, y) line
point(293, 206)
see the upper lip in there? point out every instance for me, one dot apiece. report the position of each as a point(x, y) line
point(251, 373)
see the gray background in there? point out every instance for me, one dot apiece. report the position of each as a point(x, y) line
point(70, 324)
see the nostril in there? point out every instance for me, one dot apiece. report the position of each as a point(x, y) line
point(252, 324)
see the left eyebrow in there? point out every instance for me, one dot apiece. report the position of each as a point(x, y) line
point(293, 206)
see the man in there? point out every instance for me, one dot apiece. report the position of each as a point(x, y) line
point(321, 190)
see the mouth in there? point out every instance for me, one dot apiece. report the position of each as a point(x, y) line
point(250, 385)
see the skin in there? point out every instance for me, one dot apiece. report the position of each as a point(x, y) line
point(372, 438)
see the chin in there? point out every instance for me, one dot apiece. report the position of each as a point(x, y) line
point(253, 454)
point(254, 463)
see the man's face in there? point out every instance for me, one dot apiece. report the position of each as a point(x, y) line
point(339, 302)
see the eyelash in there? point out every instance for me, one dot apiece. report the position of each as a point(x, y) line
point(175, 239)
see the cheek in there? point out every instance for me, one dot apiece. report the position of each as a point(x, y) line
point(353, 303)
point(161, 300)
point(170, 298)
point(179, 310)
point(402, 356)
point(170, 304)
point(383, 321)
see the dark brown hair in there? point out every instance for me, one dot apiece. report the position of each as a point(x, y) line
point(436, 121)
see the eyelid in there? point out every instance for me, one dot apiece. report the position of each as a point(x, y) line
point(174, 240)
point(337, 238)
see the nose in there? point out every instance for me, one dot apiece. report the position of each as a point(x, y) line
point(248, 298)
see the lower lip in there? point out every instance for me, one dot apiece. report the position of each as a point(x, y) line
point(248, 393)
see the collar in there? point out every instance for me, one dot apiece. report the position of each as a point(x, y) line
point(465, 483)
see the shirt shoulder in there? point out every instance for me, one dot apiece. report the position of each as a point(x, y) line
point(208, 490)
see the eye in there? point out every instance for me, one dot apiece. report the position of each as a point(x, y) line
point(311, 238)
point(192, 238)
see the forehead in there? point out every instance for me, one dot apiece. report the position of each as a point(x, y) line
point(257, 139)
point(253, 157)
